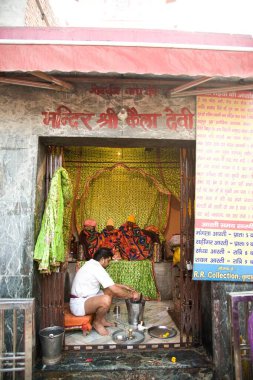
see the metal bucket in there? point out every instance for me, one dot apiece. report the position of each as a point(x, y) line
point(135, 311)
point(51, 339)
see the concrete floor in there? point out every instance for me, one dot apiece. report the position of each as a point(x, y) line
point(155, 313)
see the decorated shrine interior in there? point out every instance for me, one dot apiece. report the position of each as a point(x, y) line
point(115, 182)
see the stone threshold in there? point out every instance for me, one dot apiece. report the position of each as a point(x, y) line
point(167, 364)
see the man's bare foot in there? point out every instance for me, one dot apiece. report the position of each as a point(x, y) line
point(100, 329)
point(107, 323)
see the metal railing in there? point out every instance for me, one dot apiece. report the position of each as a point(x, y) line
point(240, 305)
point(17, 337)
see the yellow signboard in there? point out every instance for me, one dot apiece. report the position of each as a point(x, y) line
point(223, 247)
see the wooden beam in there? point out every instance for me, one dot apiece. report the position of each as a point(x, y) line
point(116, 80)
point(113, 80)
point(190, 84)
point(213, 90)
point(21, 82)
point(50, 78)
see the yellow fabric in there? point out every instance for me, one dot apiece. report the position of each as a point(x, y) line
point(176, 256)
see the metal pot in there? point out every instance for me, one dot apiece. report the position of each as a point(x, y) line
point(135, 310)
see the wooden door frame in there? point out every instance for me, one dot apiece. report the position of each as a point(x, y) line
point(190, 307)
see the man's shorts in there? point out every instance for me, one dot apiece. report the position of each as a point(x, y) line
point(77, 305)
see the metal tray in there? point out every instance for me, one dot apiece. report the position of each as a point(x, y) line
point(120, 337)
point(162, 332)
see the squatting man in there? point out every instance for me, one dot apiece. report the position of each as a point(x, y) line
point(86, 294)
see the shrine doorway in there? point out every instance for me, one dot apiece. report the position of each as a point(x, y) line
point(184, 305)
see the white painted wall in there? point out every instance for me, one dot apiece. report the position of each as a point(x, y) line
point(12, 12)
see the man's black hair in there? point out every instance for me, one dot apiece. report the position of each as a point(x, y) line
point(103, 253)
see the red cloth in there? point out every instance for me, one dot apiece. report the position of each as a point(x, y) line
point(89, 240)
point(110, 239)
point(134, 244)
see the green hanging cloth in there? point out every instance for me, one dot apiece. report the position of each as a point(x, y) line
point(49, 248)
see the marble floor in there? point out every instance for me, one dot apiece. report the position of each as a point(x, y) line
point(155, 314)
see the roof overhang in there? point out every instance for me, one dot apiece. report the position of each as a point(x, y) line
point(122, 51)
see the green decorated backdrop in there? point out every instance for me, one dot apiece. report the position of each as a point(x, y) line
point(116, 182)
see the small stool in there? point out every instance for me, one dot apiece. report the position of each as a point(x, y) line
point(71, 322)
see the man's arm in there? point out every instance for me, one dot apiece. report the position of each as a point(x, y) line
point(123, 291)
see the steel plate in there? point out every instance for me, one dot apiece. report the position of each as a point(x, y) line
point(162, 332)
point(120, 337)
